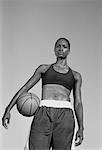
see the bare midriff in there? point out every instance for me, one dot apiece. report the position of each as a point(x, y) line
point(55, 92)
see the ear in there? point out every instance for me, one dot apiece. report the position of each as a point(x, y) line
point(54, 49)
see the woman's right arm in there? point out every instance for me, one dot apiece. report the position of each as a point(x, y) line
point(29, 84)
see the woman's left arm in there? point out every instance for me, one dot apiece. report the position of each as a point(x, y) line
point(78, 107)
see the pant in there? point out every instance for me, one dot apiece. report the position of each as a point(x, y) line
point(52, 127)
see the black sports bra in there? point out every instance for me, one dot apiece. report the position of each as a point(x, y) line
point(51, 76)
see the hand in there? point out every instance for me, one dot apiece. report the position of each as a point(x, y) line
point(6, 119)
point(79, 137)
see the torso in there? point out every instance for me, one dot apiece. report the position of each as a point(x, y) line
point(56, 91)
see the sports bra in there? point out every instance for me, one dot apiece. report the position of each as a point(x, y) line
point(51, 76)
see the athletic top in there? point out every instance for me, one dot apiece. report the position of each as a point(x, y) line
point(51, 76)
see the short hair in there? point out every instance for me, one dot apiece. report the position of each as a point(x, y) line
point(62, 38)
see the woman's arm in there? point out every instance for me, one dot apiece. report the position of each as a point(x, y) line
point(29, 84)
point(78, 107)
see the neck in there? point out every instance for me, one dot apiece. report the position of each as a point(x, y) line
point(61, 62)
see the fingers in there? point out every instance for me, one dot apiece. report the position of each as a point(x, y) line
point(5, 122)
point(79, 139)
point(6, 119)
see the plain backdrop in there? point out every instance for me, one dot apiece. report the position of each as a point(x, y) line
point(28, 31)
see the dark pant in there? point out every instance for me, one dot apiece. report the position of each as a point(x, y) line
point(52, 127)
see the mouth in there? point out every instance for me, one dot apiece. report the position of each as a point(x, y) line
point(61, 54)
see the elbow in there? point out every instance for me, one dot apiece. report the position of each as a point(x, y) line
point(25, 89)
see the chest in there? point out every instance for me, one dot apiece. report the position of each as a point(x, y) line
point(56, 77)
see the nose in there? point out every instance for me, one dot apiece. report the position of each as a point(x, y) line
point(61, 48)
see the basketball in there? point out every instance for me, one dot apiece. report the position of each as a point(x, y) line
point(27, 104)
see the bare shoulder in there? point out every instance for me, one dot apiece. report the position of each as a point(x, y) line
point(43, 67)
point(77, 76)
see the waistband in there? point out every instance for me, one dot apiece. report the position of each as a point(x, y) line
point(56, 103)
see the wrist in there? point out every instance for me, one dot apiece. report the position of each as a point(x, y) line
point(81, 128)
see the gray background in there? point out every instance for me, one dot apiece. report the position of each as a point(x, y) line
point(28, 33)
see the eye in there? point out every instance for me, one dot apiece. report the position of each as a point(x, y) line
point(64, 46)
point(58, 46)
